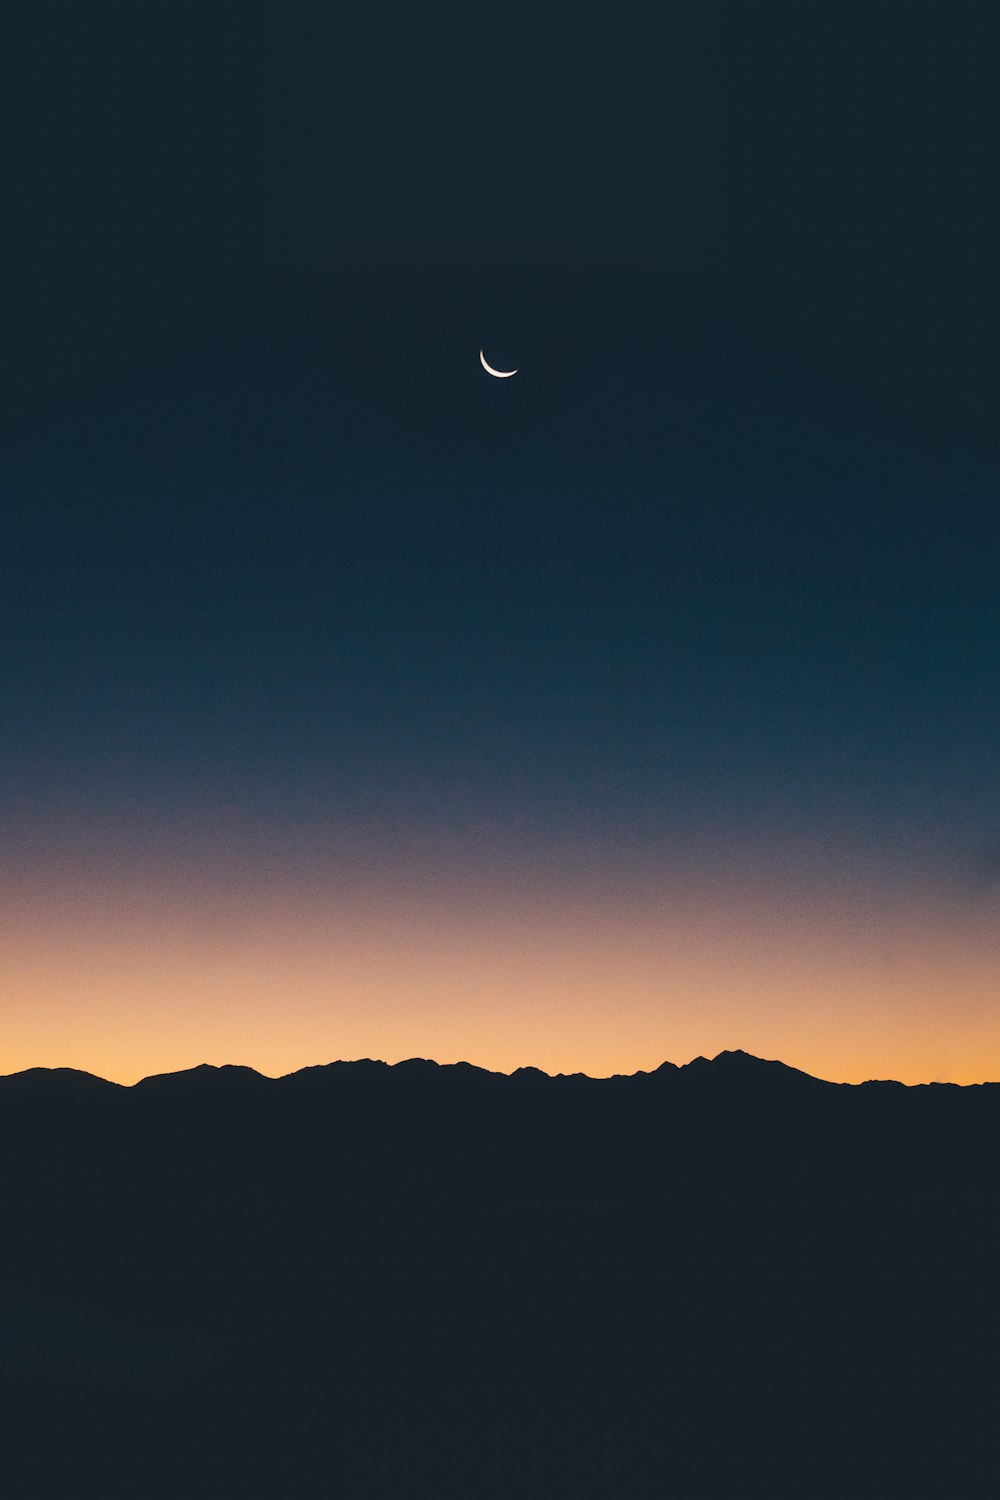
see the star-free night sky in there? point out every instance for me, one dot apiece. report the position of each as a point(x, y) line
point(354, 703)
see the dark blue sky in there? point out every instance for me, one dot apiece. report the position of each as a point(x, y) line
point(664, 573)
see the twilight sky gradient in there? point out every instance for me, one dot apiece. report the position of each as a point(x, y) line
point(646, 704)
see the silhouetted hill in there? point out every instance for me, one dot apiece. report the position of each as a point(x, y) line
point(202, 1081)
point(724, 1279)
point(54, 1083)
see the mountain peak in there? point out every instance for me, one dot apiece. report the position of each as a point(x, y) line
point(735, 1063)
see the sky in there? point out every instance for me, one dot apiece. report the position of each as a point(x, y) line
point(354, 703)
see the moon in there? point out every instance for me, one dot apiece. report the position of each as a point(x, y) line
point(500, 374)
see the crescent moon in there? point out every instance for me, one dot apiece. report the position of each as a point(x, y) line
point(500, 374)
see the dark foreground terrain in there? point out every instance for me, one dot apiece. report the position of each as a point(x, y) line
point(728, 1279)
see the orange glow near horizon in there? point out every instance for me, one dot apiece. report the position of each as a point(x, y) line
point(131, 975)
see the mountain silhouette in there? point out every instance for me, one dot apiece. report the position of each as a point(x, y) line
point(735, 1066)
point(723, 1279)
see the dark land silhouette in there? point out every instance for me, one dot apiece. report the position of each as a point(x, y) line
point(727, 1279)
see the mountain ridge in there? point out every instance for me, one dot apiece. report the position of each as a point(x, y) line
point(733, 1065)
point(434, 1261)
